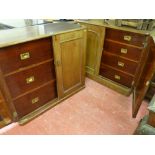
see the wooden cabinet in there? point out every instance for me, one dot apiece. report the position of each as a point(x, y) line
point(38, 74)
point(95, 38)
point(125, 61)
point(70, 61)
point(27, 76)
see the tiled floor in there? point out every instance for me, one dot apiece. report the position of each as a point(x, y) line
point(94, 110)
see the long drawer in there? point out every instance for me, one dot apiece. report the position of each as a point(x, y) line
point(30, 102)
point(126, 37)
point(119, 63)
point(116, 76)
point(123, 50)
point(18, 56)
point(26, 80)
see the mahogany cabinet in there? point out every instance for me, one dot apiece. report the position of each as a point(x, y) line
point(28, 76)
point(125, 61)
point(38, 74)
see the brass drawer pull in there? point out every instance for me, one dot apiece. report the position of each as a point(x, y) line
point(124, 50)
point(117, 77)
point(35, 100)
point(121, 64)
point(127, 38)
point(25, 55)
point(30, 79)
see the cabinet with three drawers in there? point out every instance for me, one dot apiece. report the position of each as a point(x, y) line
point(38, 74)
point(29, 74)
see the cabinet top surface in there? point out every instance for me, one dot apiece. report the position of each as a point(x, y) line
point(100, 22)
point(24, 34)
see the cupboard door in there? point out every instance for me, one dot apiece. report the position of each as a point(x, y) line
point(95, 37)
point(143, 83)
point(69, 52)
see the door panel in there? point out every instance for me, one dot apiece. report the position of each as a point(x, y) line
point(71, 63)
point(143, 84)
point(95, 39)
point(69, 57)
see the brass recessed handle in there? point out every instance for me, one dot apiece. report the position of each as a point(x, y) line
point(35, 100)
point(117, 77)
point(29, 79)
point(127, 38)
point(147, 83)
point(25, 55)
point(121, 64)
point(124, 50)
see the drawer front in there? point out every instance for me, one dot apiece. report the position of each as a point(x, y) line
point(126, 37)
point(18, 56)
point(116, 76)
point(24, 81)
point(119, 63)
point(30, 102)
point(123, 50)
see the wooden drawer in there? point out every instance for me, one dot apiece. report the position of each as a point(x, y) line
point(116, 76)
point(26, 80)
point(30, 102)
point(123, 50)
point(119, 63)
point(31, 52)
point(126, 37)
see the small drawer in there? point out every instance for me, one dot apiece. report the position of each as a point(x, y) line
point(126, 37)
point(30, 102)
point(123, 50)
point(18, 56)
point(26, 80)
point(119, 63)
point(116, 76)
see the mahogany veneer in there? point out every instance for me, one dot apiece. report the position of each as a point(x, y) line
point(25, 105)
point(30, 81)
point(119, 63)
point(17, 83)
point(122, 56)
point(118, 35)
point(116, 75)
point(115, 48)
point(39, 50)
